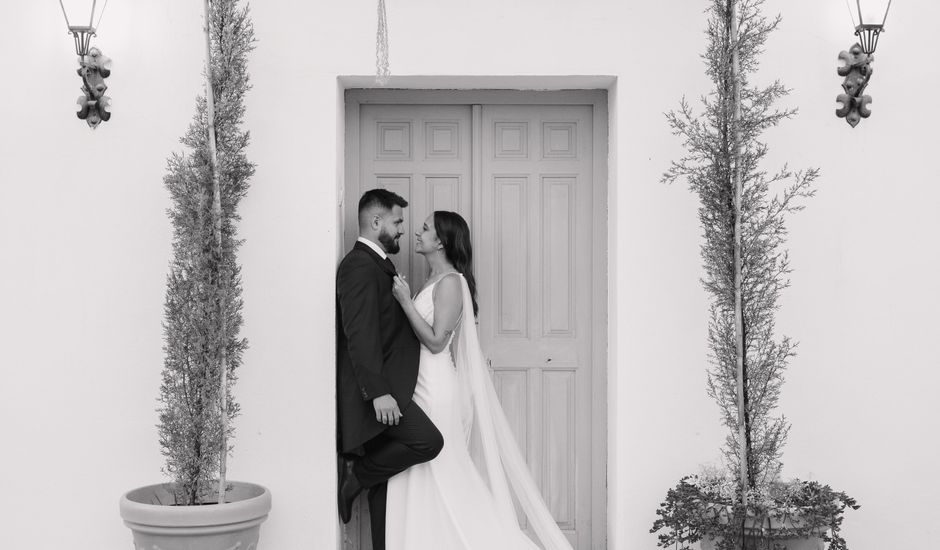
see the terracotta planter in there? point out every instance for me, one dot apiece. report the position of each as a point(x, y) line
point(158, 524)
point(750, 543)
point(756, 542)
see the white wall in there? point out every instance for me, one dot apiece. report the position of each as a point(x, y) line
point(84, 247)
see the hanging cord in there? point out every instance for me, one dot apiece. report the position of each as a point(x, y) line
point(101, 13)
point(851, 16)
point(64, 14)
point(381, 47)
point(886, 14)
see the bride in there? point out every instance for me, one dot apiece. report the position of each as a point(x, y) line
point(463, 499)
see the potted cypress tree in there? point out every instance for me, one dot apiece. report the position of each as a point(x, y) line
point(200, 508)
point(744, 504)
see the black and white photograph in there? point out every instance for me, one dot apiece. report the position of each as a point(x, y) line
point(441, 275)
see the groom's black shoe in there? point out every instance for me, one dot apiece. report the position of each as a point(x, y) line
point(349, 487)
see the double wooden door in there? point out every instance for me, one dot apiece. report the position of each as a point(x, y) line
point(522, 177)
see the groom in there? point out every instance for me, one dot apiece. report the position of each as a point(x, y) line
point(381, 432)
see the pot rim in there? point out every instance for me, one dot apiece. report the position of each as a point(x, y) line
point(253, 502)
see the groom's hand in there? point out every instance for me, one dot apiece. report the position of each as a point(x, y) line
point(386, 410)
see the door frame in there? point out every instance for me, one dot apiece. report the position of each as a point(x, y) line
point(353, 96)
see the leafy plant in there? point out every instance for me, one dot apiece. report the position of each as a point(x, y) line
point(707, 506)
point(746, 268)
point(203, 302)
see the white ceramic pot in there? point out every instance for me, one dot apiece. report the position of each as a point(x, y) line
point(158, 524)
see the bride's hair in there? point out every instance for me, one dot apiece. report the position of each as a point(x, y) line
point(454, 234)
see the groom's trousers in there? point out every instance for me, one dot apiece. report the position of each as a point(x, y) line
point(414, 440)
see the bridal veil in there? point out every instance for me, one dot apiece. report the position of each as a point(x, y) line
point(490, 440)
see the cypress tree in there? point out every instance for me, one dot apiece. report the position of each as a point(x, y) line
point(203, 304)
point(718, 145)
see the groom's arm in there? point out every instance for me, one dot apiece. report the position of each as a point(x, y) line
point(358, 294)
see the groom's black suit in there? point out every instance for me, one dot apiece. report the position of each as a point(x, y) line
point(377, 354)
point(377, 350)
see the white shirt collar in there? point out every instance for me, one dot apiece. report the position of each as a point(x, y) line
point(378, 249)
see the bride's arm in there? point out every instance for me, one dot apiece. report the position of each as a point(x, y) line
point(448, 303)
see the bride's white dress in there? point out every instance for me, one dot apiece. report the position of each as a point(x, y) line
point(456, 502)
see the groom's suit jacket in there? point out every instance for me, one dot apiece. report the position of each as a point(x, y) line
point(377, 351)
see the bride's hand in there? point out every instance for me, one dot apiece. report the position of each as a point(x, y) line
point(401, 290)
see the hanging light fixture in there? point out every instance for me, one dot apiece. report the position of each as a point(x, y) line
point(856, 67)
point(871, 16)
point(94, 106)
point(82, 33)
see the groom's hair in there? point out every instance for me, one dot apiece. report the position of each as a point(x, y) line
point(381, 198)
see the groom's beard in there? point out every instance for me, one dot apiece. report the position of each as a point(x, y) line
point(389, 242)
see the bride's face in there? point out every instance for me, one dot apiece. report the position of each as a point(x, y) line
point(427, 241)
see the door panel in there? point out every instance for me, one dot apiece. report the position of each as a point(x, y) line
point(532, 226)
point(423, 154)
point(535, 286)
